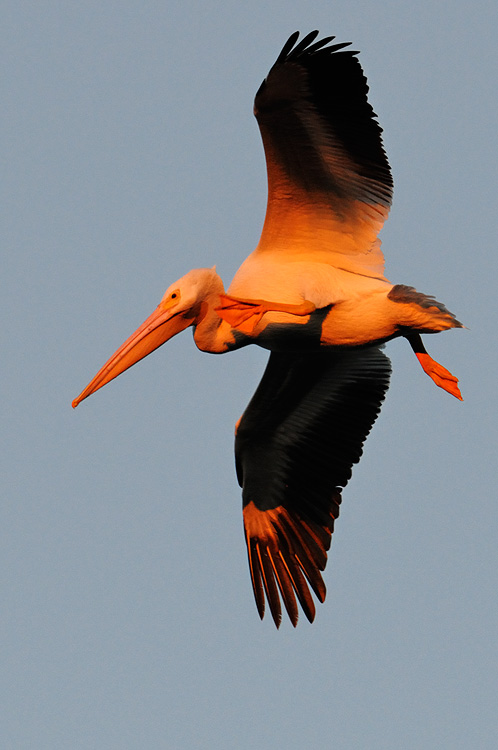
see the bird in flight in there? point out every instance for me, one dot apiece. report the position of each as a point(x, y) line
point(314, 294)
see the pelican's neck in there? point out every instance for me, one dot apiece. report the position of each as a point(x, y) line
point(211, 333)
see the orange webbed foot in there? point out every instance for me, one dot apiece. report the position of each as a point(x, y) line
point(439, 374)
point(245, 314)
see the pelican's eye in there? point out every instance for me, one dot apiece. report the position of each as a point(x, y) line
point(170, 300)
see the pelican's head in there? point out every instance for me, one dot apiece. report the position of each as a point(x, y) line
point(182, 305)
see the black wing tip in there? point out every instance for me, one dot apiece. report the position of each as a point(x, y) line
point(285, 565)
point(293, 51)
point(288, 46)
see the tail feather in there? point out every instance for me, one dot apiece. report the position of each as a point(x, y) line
point(423, 312)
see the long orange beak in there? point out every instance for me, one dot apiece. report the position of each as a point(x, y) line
point(159, 327)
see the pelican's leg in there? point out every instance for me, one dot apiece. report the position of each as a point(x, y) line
point(439, 374)
point(245, 314)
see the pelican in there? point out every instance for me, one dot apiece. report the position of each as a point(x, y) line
point(314, 294)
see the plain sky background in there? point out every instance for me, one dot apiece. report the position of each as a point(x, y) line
point(130, 155)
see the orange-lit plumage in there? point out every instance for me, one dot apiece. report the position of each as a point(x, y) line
point(314, 293)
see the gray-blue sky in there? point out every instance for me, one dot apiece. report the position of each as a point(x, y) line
point(130, 156)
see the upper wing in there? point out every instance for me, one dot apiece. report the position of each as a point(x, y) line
point(329, 181)
point(295, 445)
